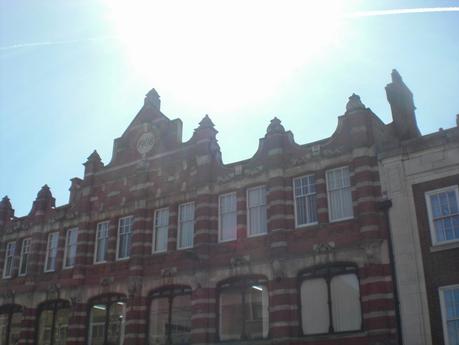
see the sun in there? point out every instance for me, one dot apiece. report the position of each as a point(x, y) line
point(223, 53)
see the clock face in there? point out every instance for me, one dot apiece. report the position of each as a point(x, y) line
point(145, 143)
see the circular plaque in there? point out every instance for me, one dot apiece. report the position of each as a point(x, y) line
point(145, 143)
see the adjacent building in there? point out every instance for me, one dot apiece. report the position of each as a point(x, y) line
point(165, 244)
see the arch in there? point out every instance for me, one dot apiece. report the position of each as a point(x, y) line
point(52, 321)
point(9, 323)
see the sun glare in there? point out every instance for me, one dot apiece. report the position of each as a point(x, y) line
point(219, 51)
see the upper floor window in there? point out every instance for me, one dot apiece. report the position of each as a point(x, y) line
point(227, 207)
point(53, 321)
point(70, 250)
point(101, 245)
point(186, 226)
point(9, 259)
point(243, 309)
point(124, 237)
point(170, 316)
point(160, 230)
point(449, 301)
point(330, 300)
point(25, 252)
point(51, 252)
point(107, 320)
point(339, 194)
point(11, 316)
point(443, 213)
point(304, 189)
point(256, 211)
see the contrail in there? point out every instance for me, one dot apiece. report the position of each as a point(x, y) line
point(402, 11)
point(56, 43)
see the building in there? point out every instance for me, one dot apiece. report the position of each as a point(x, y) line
point(420, 175)
point(167, 245)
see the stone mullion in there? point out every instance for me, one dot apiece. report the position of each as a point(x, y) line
point(136, 316)
point(203, 317)
point(77, 329)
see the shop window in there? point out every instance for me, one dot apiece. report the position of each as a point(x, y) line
point(11, 317)
point(170, 316)
point(107, 320)
point(449, 301)
point(330, 300)
point(53, 320)
point(243, 309)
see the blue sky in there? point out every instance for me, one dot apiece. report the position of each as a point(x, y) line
point(73, 74)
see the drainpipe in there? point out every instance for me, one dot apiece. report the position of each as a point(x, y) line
point(384, 206)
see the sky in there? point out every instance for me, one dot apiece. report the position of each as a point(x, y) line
point(73, 74)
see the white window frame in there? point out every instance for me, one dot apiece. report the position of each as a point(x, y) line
point(118, 258)
point(180, 225)
point(156, 227)
point(66, 247)
point(249, 234)
point(433, 233)
point(50, 235)
point(328, 194)
point(9, 255)
point(26, 244)
point(96, 241)
point(306, 195)
point(220, 215)
point(444, 320)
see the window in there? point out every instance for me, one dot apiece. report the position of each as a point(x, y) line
point(339, 194)
point(70, 248)
point(10, 324)
point(449, 301)
point(25, 251)
point(124, 238)
point(256, 211)
point(227, 221)
point(443, 213)
point(107, 320)
point(9, 259)
point(330, 300)
point(53, 321)
point(51, 252)
point(101, 247)
point(170, 316)
point(160, 230)
point(186, 226)
point(243, 309)
point(304, 189)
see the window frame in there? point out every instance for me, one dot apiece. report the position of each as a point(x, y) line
point(169, 291)
point(11, 268)
point(54, 305)
point(155, 230)
point(96, 242)
point(243, 283)
point(118, 238)
point(10, 309)
point(220, 214)
point(433, 233)
point(50, 234)
point(311, 273)
point(28, 241)
point(66, 248)
point(295, 207)
point(248, 210)
point(444, 320)
point(328, 194)
point(179, 225)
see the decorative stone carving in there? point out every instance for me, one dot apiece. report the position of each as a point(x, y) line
point(277, 269)
point(146, 142)
point(168, 275)
point(134, 286)
point(240, 265)
point(53, 292)
point(372, 250)
point(354, 103)
point(8, 297)
point(105, 284)
point(324, 253)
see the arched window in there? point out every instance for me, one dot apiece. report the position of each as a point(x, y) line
point(330, 300)
point(10, 323)
point(170, 316)
point(243, 309)
point(107, 320)
point(53, 320)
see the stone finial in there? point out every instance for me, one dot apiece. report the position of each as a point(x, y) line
point(275, 126)
point(44, 193)
point(206, 127)
point(152, 99)
point(44, 201)
point(94, 157)
point(93, 163)
point(396, 77)
point(354, 103)
point(6, 210)
point(206, 122)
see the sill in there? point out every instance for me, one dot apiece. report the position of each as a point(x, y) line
point(341, 219)
point(159, 252)
point(123, 259)
point(22, 275)
point(68, 267)
point(7, 277)
point(336, 335)
point(226, 241)
point(306, 225)
point(257, 235)
point(184, 248)
point(99, 262)
point(446, 245)
point(49, 271)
